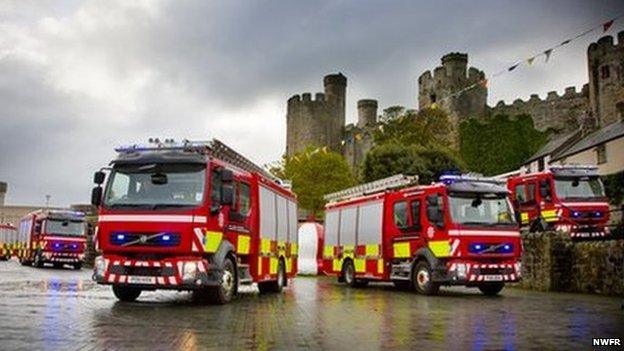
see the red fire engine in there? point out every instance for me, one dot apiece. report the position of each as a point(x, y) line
point(460, 231)
point(8, 238)
point(564, 198)
point(52, 236)
point(193, 216)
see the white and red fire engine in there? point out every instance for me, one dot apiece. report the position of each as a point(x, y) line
point(8, 239)
point(192, 216)
point(460, 231)
point(52, 236)
point(570, 199)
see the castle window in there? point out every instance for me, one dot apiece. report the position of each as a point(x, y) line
point(432, 97)
point(601, 154)
point(604, 72)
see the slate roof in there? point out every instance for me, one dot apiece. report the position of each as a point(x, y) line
point(554, 145)
point(603, 135)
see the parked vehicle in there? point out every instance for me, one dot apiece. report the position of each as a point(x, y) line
point(192, 216)
point(460, 231)
point(563, 198)
point(8, 237)
point(52, 236)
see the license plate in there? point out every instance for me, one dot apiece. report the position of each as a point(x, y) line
point(141, 280)
point(493, 278)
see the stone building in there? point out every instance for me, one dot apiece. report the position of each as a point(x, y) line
point(320, 122)
point(3, 190)
point(453, 76)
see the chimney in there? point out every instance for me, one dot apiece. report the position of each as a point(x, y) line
point(588, 124)
point(3, 190)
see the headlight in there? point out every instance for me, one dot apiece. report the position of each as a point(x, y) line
point(190, 268)
point(100, 266)
point(462, 270)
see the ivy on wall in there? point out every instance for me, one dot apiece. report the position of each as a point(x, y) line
point(614, 187)
point(500, 144)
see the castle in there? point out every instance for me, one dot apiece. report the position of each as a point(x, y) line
point(321, 122)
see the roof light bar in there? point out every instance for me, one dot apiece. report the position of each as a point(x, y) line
point(573, 166)
point(393, 182)
point(469, 177)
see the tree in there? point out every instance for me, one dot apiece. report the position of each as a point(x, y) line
point(428, 163)
point(426, 127)
point(315, 173)
point(499, 144)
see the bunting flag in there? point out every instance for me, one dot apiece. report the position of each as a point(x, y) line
point(565, 42)
point(483, 83)
point(358, 136)
point(548, 53)
point(607, 25)
point(530, 60)
point(434, 106)
point(343, 142)
point(511, 68)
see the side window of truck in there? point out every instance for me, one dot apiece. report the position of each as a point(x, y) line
point(215, 186)
point(245, 199)
point(416, 215)
point(520, 196)
point(400, 215)
point(530, 199)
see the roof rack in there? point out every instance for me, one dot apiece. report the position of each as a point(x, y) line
point(393, 182)
point(574, 166)
point(213, 148)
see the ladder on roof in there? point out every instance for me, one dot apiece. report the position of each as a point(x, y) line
point(213, 148)
point(393, 182)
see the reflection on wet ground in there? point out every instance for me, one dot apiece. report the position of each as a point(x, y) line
point(63, 309)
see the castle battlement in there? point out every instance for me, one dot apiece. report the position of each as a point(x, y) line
point(605, 44)
point(568, 93)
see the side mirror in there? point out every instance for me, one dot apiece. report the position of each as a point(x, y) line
point(227, 176)
point(98, 177)
point(227, 195)
point(96, 196)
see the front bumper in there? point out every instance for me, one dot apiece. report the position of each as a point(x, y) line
point(171, 273)
point(473, 272)
point(62, 257)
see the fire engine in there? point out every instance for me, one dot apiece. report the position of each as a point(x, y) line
point(8, 237)
point(195, 216)
point(570, 199)
point(459, 231)
point(52, 236)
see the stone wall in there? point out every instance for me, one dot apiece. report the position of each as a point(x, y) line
point(605, 64)
point(561, 113)
point(552, 262)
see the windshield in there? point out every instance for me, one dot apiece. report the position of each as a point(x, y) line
point(480, 209)
point(156, 185)
point(65, 227)
point(579, 187)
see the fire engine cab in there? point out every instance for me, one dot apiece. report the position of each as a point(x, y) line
point(52, 236)
point(564, 198)
point(459, 231)
point(194, 216)
point(8, 237)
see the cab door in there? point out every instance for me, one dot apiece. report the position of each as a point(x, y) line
point(406, 226)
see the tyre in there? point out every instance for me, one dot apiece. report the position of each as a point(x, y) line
point(491, 289)
point(126, 293)
point(422, 279)
point(348, 276)
point(222, 294)
point(275, 286)
point(404, 285)
point(78, 266)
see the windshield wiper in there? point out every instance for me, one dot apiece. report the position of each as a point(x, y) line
point(156, 206)
point(478, 223)
point(127, 205)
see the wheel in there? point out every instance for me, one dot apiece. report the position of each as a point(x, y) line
point(348, 273)
point(404, 285)
point(224, 293)
point(421, 278)
point(491, 289)
point(25, 262)
point(275, 286)
point(126, 293)
point(78, 266)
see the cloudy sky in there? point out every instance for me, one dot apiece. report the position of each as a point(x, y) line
point(79, 77)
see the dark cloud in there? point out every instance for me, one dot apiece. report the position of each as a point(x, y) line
point(80, 77)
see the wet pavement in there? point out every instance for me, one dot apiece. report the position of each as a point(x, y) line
point(63, 309)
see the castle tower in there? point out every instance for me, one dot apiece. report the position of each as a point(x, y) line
point(367, 113)
point(3, 190)
point(605, 62)
point(448, 79)
point(317, 122)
